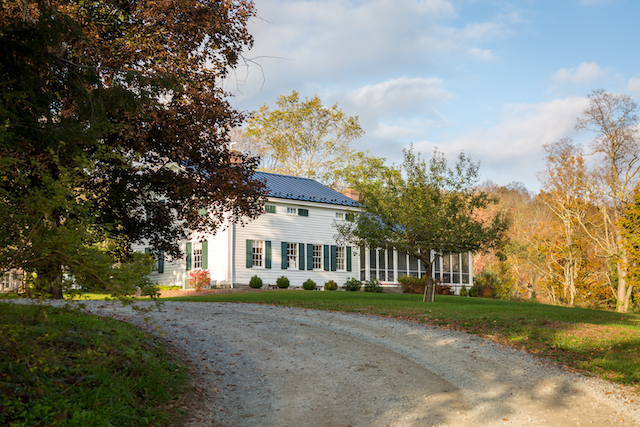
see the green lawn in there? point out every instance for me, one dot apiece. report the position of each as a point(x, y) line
point(604, 343)
point(65, 368)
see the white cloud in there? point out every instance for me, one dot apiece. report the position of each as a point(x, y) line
point(586, 72)
point(634, 85)
point(512, 150)
point(403, 95)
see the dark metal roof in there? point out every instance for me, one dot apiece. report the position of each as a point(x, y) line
point(297, 188)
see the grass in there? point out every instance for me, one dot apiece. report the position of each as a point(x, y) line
point(603, 343)
point(65, 368)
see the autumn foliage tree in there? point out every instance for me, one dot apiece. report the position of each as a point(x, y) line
point(302, 137)
point(113, 130)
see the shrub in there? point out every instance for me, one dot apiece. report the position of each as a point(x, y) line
point(352, 285)
point(473, 292)
point(282, 282)
point(411, 285)
point(372, 285)
point(255, 282)
point(463, 291)
point(487, 284)
point(330, 286)
point(309, 285)
point(199, 278)
point(443, 290)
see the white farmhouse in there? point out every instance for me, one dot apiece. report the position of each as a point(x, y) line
point(296, 238)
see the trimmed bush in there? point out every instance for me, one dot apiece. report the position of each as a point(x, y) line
point(309, 285)
point(352, 285)
point(463, 291)
point(255, 282)
point(282, 282)
point(473, 292)
point(372, 285)
point(330, 286)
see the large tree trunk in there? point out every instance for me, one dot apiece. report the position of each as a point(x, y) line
point(429, 286)
point(624, 292)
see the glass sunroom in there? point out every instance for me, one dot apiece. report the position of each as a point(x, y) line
point(452, 269)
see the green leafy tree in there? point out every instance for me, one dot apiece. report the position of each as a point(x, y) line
point(302, 138)
point(419, 208)
point(113, 130)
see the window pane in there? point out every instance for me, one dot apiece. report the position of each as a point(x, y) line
point(413, 263)
point(317, 257)
point(381, 259)
point(465, 263)
point(372, 259)
point(455, 263)
point(257, 253)
point(292, 255)
point(402, 261)
point(446, 263)
point(340, 258)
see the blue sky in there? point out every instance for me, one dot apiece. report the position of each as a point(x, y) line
point(496, 79)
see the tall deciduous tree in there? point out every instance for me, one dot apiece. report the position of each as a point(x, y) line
point(422, 208)
point(613, 118)
point(302, 138)
point(113, 129)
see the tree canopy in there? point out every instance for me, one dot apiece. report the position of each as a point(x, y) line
point(114, 130)
point(302, 138)
point(419, 208)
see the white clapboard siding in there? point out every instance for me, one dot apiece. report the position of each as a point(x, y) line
point(174, 270)
point(317, 228)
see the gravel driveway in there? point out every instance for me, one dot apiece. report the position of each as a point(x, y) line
point(262, 365)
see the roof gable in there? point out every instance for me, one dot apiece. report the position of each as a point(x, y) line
point(306, 189)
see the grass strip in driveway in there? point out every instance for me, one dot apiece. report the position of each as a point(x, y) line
point(66, 368)
point(603, 343)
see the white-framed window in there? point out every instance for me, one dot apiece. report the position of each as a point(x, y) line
point(197, 255)
point(292, 255)
point(258, 253)
point(339, 215)
point(340, 258)
point(292, 211)
point(454, 268)
point(317, 257)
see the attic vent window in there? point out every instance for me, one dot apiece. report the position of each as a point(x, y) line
point(339, 215)
point(303, 212)
point(291, 211)
point(270, 208)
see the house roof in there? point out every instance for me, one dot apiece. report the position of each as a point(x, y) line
point(306, 189)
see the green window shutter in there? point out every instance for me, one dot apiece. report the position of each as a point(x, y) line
point(147, 250)
point(205, 254)
point(303, 212)
point(161, 262)
point(349, 258)
point(349, 217)
point(283, 258)
point(326, 258)
point(270, 209)
point(267, 254)
point(309, 257)
point(249, 253)
point(301, 256)
point(188, 251)
point(334, 256)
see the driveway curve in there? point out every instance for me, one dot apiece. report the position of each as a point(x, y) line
point(261, 365)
